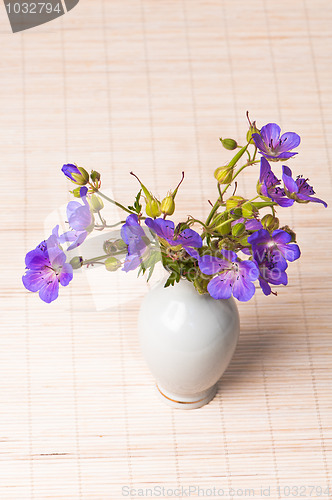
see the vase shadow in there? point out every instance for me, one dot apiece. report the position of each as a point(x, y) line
point(250, 351)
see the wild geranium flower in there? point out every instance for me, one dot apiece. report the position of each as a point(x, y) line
point(250, 224)
point(298, 189)
point(134, 236)
point(274, 147)
point(279, 241)
point(269, 185)
point(165, 229)
point(232, 276)
point(76, 174)
point(46, 268)
point(272, 266)
point(80, 220)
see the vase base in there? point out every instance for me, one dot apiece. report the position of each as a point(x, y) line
point(187, 402)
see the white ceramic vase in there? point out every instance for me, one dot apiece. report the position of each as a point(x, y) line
point(187, 340)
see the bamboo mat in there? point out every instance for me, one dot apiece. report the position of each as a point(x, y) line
point(149, 86)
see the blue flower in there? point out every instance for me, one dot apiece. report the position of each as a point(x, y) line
point(165, 229)
point(133, 235)
point(232, 276)
point(80, 220)
point(46, 268)
point(274, 147)
point(271, 252)
point(78, 175)
point(298, 189)
point(279, 241)
point(269, 183)
point(272, 266)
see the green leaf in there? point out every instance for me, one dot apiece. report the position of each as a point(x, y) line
point(136, 207)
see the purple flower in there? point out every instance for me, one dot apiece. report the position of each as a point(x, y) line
point(133, 235)
point(46, 268)
point(78, 175)
point(250, 224)
point(232, 276)
point(298, 189)
point(279, 241)
point(274, 147)
point(272, 266)
point(269, 183)
point(188, 238)
point(80, 220)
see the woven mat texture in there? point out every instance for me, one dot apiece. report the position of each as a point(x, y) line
point(150, 86)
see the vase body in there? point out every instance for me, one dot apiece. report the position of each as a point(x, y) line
point(187, 340)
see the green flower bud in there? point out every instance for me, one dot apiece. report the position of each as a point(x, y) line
point(80, 178)
point(76, 192)
point(226, 244)
point(218, 219)
point(152, 208)
point(244, 241)
point(201, 284)
point(234, 201)
point(115, 246)
point(167, 206)
point(270, 222)
point(224, 175)
point(228, 143)
point(76, 262)
point(121, 245)
point(249, 210)
point(112, 264)
point(224, 228)
point(95, 176)
point(252, 130)
point(291, 232)
point(238, 229)
point(237, 213)
point(96, 203)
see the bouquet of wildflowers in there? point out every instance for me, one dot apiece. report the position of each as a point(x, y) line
point(236, 246)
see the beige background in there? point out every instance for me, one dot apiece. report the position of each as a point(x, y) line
point(149, 86)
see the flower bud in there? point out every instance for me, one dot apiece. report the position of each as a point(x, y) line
point(244, 241)
point(224, 175)
point(152, 208)
point(218, 219)
point(201, 284)
point(96, 203)
point(95, 176)
point(234, 201)
point(252, 130)
point(76, 262)
point(228, 143)
point(115, 246)
point(167, 206)
point(226, 244)
point(76, 192)
point(249, 210)
point(270, 222)
point(78, 175)
point(224, 228)
point(236, 213)
point(112, 264)
point(289, 231)
point(238, 229)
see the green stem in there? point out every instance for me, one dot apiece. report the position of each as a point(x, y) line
point(115, 203)
point(198, 221)
point(110, 225)
point(221, 193)
point(213, 211)
point(89, 261)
